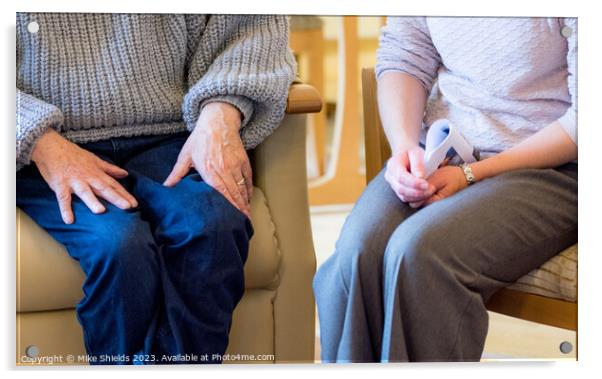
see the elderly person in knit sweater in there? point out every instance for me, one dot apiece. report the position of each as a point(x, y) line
point(131, 138)
point(419, 256)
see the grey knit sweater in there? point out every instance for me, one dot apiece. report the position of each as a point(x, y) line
point(97, 76)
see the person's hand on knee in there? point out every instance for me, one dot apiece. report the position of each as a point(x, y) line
point(405, 175)
point(216, 151)
point(69, 169)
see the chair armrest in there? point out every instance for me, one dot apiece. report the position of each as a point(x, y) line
point(279, 168)
point(303, 98)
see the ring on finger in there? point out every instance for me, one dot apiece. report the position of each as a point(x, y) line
point(241, 182)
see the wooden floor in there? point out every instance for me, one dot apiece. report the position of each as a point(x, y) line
point(508, 338)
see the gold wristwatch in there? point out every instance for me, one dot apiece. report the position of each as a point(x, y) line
point(470, 179)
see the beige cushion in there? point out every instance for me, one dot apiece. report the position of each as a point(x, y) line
point(48, 279)
point(253, 325)
point(556, 278)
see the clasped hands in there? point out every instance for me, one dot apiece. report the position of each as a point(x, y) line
point(214, 149)
point(405, 174)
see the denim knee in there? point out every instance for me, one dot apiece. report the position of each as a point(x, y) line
point(192, 209)
point(121, 246)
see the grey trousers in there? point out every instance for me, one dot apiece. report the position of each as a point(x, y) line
point(411, 285)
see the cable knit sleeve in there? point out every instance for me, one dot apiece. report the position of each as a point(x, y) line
point(569, 119)
point(405, 45)
point(34, 116)
point(243, 60)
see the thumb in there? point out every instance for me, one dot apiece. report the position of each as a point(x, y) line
point(416, 157)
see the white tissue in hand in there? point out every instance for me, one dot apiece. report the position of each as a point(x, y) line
point(440, 138)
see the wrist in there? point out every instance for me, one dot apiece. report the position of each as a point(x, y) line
point(403, 147)
point(46, 139)
point(489, 167)
point(228, 115)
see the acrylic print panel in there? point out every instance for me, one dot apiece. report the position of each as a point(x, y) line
point(161, 263)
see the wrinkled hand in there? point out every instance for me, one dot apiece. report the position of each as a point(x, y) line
point(69, 169)
point(216, 151)
point(405, 175)
point(446, 180)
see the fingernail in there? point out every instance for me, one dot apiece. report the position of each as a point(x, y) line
point(424, 185)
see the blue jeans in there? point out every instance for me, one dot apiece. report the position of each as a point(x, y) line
point(162, 279)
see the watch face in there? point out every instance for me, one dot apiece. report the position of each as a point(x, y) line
point(470, 179)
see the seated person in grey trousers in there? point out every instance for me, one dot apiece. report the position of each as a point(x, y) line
point(418, 257)
point(131, 139)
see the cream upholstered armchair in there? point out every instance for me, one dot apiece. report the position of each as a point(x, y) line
point(274, 320)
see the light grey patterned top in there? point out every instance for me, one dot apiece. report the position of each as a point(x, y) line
point(96, 76)
point(499, 80)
